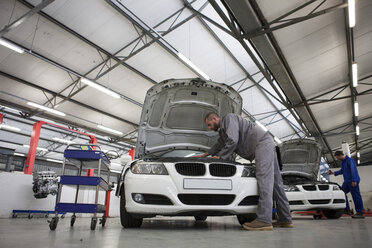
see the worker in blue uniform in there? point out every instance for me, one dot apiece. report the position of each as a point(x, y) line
point(351, 182)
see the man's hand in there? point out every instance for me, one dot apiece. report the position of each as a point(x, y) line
point(330, 172)
point(354, 184)
point(216, 157)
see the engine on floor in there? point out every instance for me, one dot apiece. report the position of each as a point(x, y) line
point(44, 183)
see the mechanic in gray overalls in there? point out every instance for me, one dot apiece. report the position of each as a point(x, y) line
point(252, 142)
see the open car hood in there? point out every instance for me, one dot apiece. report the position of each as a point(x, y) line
point(174, 111)
point(301, 156)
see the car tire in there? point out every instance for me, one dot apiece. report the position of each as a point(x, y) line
point(200, 218)
point(333, 213)
point(127, 220)
point(243, 218)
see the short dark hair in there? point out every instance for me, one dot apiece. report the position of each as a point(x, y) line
point(339, 153)
point(211, 115)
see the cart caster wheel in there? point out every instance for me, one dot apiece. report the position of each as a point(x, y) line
point(317, 216)
point(73, 218)
point(14, 215)
point(103, 221)
point(93, 223)
point(53, 223)
point(30, 216)
point(62, 216)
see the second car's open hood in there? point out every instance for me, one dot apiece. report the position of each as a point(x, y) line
point(301, 155)
point(174, 111)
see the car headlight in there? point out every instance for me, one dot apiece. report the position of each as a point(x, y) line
point(290, 188)
point(249, 171)
point(336, 187)
point(149, 168)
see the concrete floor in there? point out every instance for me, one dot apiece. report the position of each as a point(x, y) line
point(185, 232)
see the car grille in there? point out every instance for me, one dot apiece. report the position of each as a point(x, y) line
point(315, 202)
point(250, 201)
point(309, 187)
point(339, 201)
point(206, 199)
point(296, 203)
point(222, 170)
point(191, 169)
point(323, 187)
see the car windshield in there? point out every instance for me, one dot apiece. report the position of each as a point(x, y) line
point(174, 154)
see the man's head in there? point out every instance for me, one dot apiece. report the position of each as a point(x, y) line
point(212, 120)
point(340, 155)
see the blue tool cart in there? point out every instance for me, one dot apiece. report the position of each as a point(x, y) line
point(95, 159)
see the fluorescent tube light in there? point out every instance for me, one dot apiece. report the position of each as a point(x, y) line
point(37, 148)
point(193, 66)
point(277, 140)
point(100, 88)
point(11, 46)
point(18, 154)
point(351, 11)
point(358, 161)
point(261, 126)
point(356, 108)
point(6, 127)
point(358, 154)
point(64, 141)
point(55, 160)
point(357, 130)
point(46, 108)
point(354, 72)
point(109, 129)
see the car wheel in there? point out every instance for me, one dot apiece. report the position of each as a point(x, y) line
point(200, 218)
point(127, 220)
point(243, 218)
point(333, 213)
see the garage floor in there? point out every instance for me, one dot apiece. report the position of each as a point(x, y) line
point(185, 232)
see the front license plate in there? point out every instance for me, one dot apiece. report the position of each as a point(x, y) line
point(193, 183)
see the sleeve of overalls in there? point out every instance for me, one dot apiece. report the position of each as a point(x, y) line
point(353, 169)
point(340, 172)
point(216, 147)
point(232, 132)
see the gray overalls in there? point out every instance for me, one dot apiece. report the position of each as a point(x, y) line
point(251, 142)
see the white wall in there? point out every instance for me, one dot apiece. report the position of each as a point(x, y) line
point(16, 193)
point(365, 174)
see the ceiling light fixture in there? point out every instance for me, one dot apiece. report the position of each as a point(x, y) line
point(63, 141)
point(6, 127)
point(100, 88)
point(46, 108)
point(358, 154)
point(277, 140)
point(351, 11)
point(193, 66)
point(354, 72)
point(55, 160)
point(261, 126)
point(11, 46)
point(37, 148)
point(357, 130)
point(110, 130)
point(18, 154)
point(356, 108)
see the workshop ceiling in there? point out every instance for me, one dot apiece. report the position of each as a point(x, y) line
point(127, 46)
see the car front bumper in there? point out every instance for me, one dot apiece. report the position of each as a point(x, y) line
point(316, 200)
point(174, 185)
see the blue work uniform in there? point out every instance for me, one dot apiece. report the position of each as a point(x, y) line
point(350, 172)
